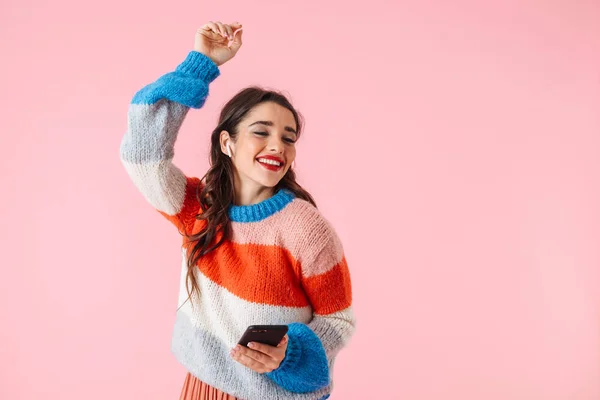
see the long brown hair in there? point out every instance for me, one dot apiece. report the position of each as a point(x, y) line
point(217, 193)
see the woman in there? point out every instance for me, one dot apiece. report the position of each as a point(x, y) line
point(256, 251)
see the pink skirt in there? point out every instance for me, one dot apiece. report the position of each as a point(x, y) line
point(195, 389)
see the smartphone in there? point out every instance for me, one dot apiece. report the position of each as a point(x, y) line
point(267, 334)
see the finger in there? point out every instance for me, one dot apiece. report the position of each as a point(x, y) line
point(250, 363)
point(222, 29)
point(283, 341)
point(210, 30)
point(237, 39)
point(259, 356)
point(229, 30)
point(262, 348)
point(268, 355)
point(235, 26)
point(212, 27)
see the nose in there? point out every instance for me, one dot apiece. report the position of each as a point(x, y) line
point(276, 146)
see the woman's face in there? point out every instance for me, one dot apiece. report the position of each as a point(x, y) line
point(267, 130)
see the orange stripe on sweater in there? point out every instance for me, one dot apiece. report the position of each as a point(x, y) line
point(256, 273)
point(331, 291)
point(186, 218)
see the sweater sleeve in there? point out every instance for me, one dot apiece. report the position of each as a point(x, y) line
point(155, 115)
point(313, 347)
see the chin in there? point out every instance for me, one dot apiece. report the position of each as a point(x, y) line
point(268, 182)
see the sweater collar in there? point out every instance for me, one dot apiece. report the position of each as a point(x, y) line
point(262, 210)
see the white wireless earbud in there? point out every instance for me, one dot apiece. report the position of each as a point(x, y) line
point(228, 150)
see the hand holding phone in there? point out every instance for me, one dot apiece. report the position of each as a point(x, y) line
point(262, 348)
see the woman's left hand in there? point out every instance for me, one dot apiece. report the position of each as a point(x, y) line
point(260, 357)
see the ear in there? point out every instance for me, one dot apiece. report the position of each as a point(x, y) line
point(224, 139)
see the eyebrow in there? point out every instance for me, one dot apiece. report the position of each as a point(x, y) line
point(270, 123)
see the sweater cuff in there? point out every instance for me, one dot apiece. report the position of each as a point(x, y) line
point(305, 366)
point(199, 66)
point(293, 354)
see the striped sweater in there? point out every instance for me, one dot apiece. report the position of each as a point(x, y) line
point(283, 264)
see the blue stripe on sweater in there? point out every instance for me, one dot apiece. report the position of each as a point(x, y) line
point(304, 368)
point(259, 211)
point(187, 85)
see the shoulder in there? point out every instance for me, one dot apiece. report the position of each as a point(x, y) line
point(309, 219)
point(314, 234)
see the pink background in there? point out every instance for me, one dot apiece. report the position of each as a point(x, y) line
point(455, 146)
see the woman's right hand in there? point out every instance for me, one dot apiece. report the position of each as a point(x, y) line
point(220, 42)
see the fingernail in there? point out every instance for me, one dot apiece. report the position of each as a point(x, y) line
point(251, 345)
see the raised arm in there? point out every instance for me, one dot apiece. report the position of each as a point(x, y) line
point(155, 116)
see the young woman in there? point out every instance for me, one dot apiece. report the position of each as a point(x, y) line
point(256, 251)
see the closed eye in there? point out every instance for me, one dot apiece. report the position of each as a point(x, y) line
point(267, 134)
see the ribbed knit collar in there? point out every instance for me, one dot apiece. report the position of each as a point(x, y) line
point(262, 210)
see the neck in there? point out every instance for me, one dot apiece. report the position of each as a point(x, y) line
point(251, 194)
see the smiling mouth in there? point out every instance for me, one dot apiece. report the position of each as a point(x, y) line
point(270, 167)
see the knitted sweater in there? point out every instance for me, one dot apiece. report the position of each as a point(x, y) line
point(283, 264)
